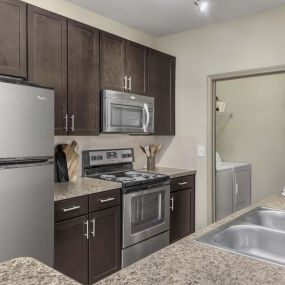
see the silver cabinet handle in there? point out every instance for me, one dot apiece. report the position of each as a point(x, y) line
point(172, 204)
point(87, 229)
point(66, 123)
point(72, 122)
point(130, 83)
point(125, 81)
point(65, 210)
point(182, 183)
point(93, 227)
point(106, 200)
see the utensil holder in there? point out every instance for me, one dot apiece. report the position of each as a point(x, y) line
point(150, 163)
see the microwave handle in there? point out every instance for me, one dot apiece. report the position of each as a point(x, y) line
point(147, 117)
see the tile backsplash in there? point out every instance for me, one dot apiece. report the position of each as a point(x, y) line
point(110, 142)
point(176, 152)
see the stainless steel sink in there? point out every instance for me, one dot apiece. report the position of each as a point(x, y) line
point(268, 218)
point(259, 234)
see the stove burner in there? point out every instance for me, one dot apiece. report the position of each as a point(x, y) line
point(108, 177)
point(125, 179)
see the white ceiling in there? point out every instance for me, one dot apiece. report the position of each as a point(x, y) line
point(164, 17)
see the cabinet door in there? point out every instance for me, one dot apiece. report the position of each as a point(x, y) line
point(162, 88)
point(112, 62)
point(181, 214)
point(105, 243)
point(47, 61)
point(71, 248)
point(137, 68)
point(83, 79)
point(13, 38)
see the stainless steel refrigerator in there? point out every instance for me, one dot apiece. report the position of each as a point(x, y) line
point(26, 171)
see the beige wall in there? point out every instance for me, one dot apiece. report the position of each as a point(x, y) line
point(247, 43)
point(75, 12)
point(256, 131)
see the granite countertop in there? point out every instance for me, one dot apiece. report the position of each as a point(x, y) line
point(28, 271)
point(188, 262)
point(171, 172)
point(82, 186)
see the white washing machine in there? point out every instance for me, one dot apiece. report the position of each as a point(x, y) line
point(233, 187)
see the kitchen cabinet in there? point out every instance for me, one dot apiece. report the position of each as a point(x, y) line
point(13, 39)
point(71, 248)
point(162, 88)
point(105, 243)
point(182, 207)
point(137, 68)
point(83, 79)
point(123, 65)
point(112, 62)
point(47, 58)
point(88, 236)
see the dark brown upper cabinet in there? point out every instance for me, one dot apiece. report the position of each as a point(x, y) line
point(123, 65)
point(47, 58)
point(83, 79)
point(162, 87)
point(13, 50)
point(137, 68)
point(112, 62)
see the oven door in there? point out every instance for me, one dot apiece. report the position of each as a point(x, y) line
point(127, 113)
point(145, 214)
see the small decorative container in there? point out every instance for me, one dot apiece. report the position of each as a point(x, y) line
point(150, 163)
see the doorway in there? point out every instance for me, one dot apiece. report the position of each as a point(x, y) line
point(245, 119)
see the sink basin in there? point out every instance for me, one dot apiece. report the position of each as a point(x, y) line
point(268, 218)
point(259, 234)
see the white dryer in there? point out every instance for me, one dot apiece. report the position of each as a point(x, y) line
point(233, 187)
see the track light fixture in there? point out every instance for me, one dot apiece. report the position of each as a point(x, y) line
point(202, 5)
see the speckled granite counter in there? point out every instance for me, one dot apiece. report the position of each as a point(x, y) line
point(188, 262)
point(28, 271)
point(171, 172)
point(82, 186)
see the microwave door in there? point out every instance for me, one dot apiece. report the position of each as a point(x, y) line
point(125, 118)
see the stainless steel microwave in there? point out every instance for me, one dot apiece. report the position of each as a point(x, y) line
point(127, 113)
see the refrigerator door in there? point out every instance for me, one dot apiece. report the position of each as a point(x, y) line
point(27, 214)
point(26, 121)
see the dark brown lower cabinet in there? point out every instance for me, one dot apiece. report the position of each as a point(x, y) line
point(88, 237)
point(182, 214)
point(105, 242)
point(71, 248)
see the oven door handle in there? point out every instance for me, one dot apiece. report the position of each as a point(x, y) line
point(149, 188)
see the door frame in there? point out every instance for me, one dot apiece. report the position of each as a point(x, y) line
point(211, 126)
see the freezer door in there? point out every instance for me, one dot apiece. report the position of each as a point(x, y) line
point(26, 121)
point(26, 213)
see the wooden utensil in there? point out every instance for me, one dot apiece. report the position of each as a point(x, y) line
point(72, 158)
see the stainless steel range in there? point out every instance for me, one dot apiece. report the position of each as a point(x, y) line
point(145, 201)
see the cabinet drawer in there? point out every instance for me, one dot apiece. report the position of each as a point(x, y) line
point(70, 208)
point(181, 183)
point(104, 200)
